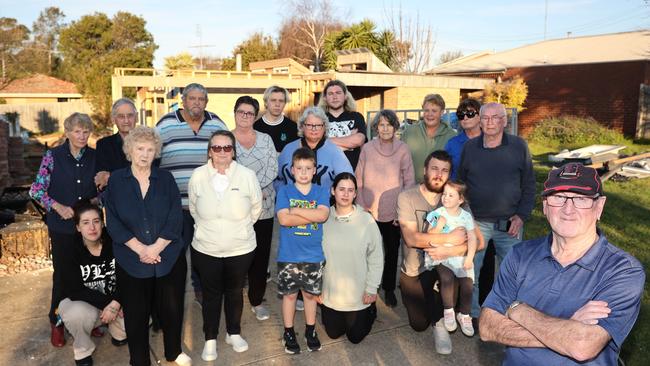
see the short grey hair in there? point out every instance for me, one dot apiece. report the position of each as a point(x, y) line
point(275, 89)
point(78, 119)
point(194, 86)
point(316, 112)
point(141, 134)
point(389, 115)
point(120, 102)
point(492, 105)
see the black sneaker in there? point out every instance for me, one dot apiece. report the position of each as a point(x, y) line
point(391, 300)
point(313, 343)
point(87, 361)
point(290, 343)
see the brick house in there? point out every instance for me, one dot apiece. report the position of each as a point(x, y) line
point(606, 77)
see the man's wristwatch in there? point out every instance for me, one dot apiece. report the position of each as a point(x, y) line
point(512, 306)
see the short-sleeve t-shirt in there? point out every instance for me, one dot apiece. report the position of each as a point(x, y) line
point(281, 133)
point(451, 222)
point(342, 126)
point(302, 243)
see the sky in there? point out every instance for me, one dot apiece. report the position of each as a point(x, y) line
point(468, 26)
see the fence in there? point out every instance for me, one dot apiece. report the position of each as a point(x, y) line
point(45, 117)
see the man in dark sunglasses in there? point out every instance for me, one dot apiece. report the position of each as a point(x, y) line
point(467, 113)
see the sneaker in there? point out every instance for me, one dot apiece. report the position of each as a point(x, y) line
point(465, 322)
point(261, 312)
point(86, 361)
point(237, 342)
point(183, 360)
point(441, 339)
point(209, 350)
point(290, 343)
point(57, 337)
point(390, 299)
point(120, 342)
point(313, 343)
point(450, 320)
point(300, 305)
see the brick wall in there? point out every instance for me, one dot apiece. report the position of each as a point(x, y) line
point(606, 92)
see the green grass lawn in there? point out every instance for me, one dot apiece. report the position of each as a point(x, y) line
point(626, 223)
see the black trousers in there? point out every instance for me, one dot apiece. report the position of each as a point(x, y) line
point(390, 235)
point(222, 280)
point(423, 304)
point(257, 271)
point(62, 246)
point(354, 324)
point(139, 296)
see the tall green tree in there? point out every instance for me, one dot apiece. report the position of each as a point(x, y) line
point(359, 35)
point(94, 45)
point(12, 36)
point(258, 47)
point(46, 30)
point(181, 61)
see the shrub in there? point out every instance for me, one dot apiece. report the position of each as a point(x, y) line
point(511, 93)
point(571, 132)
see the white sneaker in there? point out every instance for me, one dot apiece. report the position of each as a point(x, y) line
point(209, 350)
point(261, 312)
point(237, 342)
point(184, 360)
point(466, 326)
point(450, 320)
point(441, 339)
point(300, 305)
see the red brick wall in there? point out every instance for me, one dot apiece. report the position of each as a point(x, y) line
point(607, 92)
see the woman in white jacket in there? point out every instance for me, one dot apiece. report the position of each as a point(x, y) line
point(225, 201)
point(354, 263)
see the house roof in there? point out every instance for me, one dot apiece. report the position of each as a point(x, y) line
point(278, 62)
point(605, 48)
point(39, 84)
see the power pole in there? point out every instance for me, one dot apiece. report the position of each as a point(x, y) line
point(545, 17)
point(200, 46)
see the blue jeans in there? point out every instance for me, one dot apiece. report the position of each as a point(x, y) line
point(502, 243)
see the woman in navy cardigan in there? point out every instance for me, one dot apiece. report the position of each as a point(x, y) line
point(144, 218)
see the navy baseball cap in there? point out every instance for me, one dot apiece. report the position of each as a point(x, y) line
point(573, 177)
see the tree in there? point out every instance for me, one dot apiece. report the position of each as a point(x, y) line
point(182, 61)
point(414, 41)
point(258, 47)
point(449, 56)
point(356, 36)
point(12, 36)
point(292, 43)
point(511, 93)
point(94, 45)
point(46, 30)
point(313, 21)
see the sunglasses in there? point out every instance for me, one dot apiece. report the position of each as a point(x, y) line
point(217, 148)
point(468, 114)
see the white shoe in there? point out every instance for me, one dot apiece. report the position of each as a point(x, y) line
point(261, 312)
point(237, 342)
point(209, 350)
point(441, 338)
point(450, 320)
point(466, 326)
point(300, 305)
point(185, 360)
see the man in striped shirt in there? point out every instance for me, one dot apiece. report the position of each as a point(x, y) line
point(185, 135)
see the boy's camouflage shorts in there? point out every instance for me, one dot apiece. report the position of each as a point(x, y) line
point(293, 277)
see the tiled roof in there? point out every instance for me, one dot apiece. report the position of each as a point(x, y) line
point(40, 84)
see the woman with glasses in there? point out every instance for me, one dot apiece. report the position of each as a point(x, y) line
point(468, 116)
point(256, 151)
point(225, 200)
point(385, 169)
point(330, 160)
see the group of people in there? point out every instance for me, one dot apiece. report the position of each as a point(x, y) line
point(344, 206)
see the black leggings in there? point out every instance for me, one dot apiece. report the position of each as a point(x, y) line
point(390, 235)
point(354, 324)
point(139, 296)
point(62, 246)
point(448, 290)
point(423, 304)
point(257, 272)
point(222, 280)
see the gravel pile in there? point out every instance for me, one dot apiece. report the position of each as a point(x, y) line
point(10, 265)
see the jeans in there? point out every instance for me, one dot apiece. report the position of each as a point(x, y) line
point(502, 243)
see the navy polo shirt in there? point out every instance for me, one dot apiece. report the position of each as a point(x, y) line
point(110, 154)
point(530, 273)
point(158, 215)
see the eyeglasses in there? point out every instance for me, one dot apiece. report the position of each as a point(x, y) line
point(469, 114)
point(312, 127)
point(582, 202)
point(245, 114)
point(495, 118)
point(123, 117)
point(217, 148)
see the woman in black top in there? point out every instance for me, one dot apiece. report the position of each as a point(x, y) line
point(89, 285)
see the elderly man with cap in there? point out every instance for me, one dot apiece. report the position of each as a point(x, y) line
point(570, 297)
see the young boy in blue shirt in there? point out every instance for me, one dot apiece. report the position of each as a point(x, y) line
point(301, 208)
